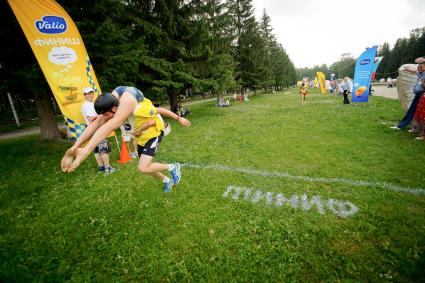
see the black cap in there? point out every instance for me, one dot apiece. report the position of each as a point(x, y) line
point(105, 102)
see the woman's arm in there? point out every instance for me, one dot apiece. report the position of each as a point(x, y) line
point(138, 131)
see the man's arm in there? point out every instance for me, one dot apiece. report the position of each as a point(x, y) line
point(168, 113)
point(420, 60)
point(411, 68)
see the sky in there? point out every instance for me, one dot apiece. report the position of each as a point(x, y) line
point(316, 32)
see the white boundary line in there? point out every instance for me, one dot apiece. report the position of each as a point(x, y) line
point(388, 186)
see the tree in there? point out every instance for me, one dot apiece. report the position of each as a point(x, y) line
point(405, 51)
point(37, 84)
point(343, 68)
point(214, 72)
point(21, 74)
point(170, 47)
point(245, 31)
point(267, 77)
point(383, 51)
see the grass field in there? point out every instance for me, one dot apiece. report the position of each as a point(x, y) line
point(271, 191)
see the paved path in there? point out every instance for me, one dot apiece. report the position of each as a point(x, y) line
point(384, 91)
point(36, 130)
point(24, 132)
point(19, 133)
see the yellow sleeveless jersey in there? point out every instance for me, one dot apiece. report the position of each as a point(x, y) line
point(144, 113)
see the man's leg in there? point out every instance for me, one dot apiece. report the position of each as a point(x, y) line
point(135, 154)
point(100, 165)
point(147, 166)
point(409, 114)
point(98, 159)
point(104, 149)
point(105, 159)
point(346, 101)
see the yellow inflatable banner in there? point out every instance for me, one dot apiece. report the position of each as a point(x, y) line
point(322, 81)
point(61, 54)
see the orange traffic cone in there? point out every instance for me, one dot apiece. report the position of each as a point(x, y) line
point(125, 156)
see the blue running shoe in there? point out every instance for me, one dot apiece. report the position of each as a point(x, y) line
point(168, 186)
point(176, 173)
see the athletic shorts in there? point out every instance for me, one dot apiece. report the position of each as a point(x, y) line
point(150, 147)
point(103, 147)
point(134, 91)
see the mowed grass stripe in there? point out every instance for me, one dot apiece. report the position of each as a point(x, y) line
point(391, 187)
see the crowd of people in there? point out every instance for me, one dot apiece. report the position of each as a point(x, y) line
point(342, 87)
point(415, 115)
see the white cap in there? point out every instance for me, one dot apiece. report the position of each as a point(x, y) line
point(87, 90)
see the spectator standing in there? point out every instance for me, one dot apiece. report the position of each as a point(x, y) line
point(418, 90)
point(328, 87)
point(346, 85)
point(102, 150)
point(333, 87)
point(419, 117)
point(126, 132)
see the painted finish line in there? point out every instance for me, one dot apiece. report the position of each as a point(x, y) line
point(340, 208)
point(388, 186)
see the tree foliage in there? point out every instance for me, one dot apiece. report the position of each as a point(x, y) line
point(172, 47)
point(405, 51)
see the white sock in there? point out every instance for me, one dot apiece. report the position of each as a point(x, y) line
point(166, 180)
point(171, 167)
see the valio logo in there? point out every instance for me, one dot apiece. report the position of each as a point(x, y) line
point(51, 25)
point(364, 61)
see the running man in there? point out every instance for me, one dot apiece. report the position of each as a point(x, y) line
point(114, 109)
point(303, 92)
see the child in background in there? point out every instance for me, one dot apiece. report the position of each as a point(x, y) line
point(126, 132)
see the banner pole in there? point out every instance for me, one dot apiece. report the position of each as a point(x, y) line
point(15, 115)
point(118, 145)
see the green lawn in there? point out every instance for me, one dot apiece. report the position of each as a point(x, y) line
point(271, 191)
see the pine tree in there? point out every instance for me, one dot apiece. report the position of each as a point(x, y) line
point(267, 78)
point(383, 51)
point(214, 73)
point(247, 42)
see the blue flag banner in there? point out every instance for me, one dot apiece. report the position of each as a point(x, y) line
point(363, 75)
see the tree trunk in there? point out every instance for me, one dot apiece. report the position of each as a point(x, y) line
point(173, 99)
point(49, 128)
